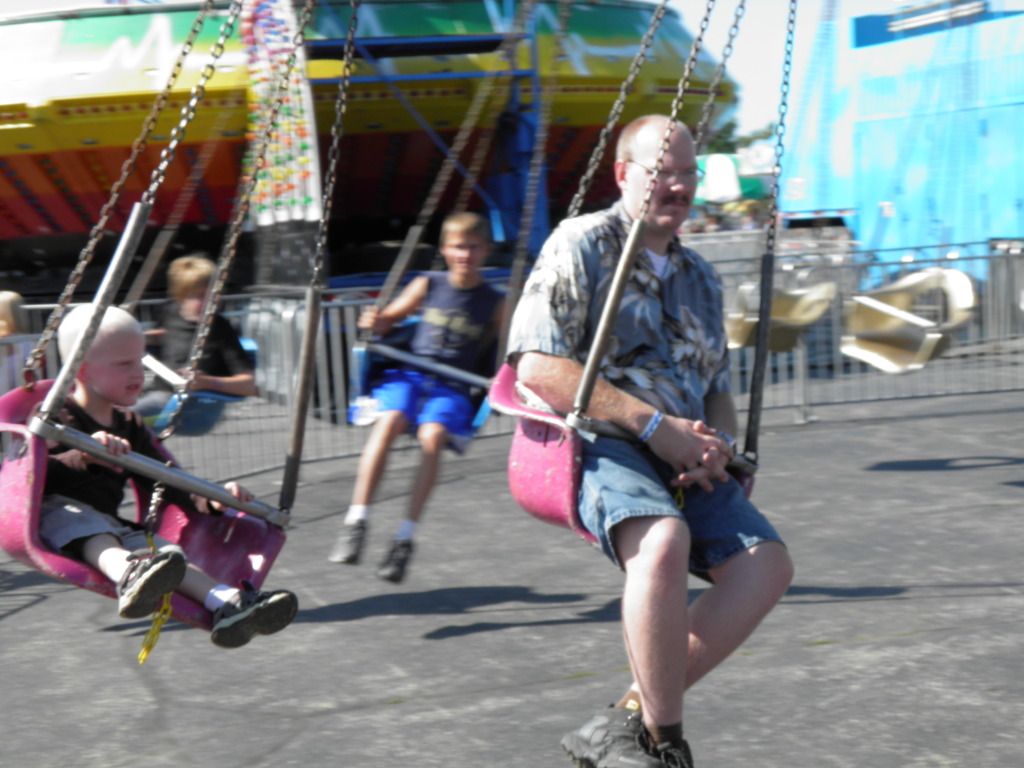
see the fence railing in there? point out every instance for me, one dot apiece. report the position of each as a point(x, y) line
point(986, 354)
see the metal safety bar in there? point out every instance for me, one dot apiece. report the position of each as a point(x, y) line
point(155, 470)
point(447, 371)
point(578, 418)
point(143, 465)
point(112, 280)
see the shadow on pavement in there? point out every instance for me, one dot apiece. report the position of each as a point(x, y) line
point(946, 465)
point(451, 600)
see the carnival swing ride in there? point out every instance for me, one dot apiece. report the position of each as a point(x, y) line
point(241, 544)
point(545, 458)
point(245, 544)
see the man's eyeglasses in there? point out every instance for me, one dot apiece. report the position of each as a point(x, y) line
point(689, 176)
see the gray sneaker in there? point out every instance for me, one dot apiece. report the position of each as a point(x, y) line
point(149, 577)
point(255, 613)
point(675, 755)
point(613, 738)
point(396, 561)
point(348, 549)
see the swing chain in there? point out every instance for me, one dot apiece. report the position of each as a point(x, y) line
point(540, 138)
point(487, 87)
point(716, 80)
point(34, 359)
point(188, 112)
point(337, 130)
point(630, 246)
point(780, 128)
point(230, 247)
point(677, 104)
point(450, 159)
point(170, 226)
point(483, 144)
point(458, 146)
point(163, 613)
point(480, 150)
point(152, 519)
point(767, 261)
point(616, 111)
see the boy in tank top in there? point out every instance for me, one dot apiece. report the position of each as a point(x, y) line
point(460, 316)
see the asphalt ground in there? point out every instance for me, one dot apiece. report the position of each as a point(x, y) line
point(899, 644)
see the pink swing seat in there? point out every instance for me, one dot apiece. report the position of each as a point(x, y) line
point(229, 548)
point(545, 460)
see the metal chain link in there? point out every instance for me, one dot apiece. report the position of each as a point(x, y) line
point(483, 145)
point(480, 151)
point(451, 157)
point(540, 140)
point(458, 146)
point(780, 128)
point(768, 258)
point(677, 104)
point(230, 248)
point(506, 52)
point(188, 112)
point(482, 97)
point(716, 80)
point(152, 518)
point(186, 195)
point(616, 111)
point(337, 130)
point(34, 360)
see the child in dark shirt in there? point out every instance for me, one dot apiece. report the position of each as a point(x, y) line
point(82, 494)
point(224, 366)
point(14, 351)
point(460, 315)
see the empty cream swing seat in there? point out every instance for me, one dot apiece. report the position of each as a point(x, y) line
point(884, 327)
point(792, 313)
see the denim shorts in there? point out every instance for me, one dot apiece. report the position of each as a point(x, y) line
point(423, 399)
point(623, 479)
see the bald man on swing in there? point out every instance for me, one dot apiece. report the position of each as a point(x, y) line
point(664, 505)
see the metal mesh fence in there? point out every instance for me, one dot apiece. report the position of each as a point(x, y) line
point(982, 353)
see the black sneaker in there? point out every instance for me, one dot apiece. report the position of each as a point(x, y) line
point(613, 738)
point(255, 613)
point(149, 577)
point(348, 549)
point(675, 755)
point(392, 567)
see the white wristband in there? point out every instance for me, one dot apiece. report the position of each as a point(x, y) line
point(651, 427)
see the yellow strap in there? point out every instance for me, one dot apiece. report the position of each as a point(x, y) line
point(159, 619)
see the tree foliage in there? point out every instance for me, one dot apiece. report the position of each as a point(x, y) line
point(725, 140)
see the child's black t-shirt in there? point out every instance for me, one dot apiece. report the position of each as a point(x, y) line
point(102, 487)
point(223, 354)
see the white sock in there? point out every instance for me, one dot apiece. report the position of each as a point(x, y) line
point(357, 513)
point(406, 529)
point(113, 563)
point(219, 595)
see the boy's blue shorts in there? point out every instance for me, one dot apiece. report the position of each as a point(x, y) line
point(423, 399)
point(623, 479)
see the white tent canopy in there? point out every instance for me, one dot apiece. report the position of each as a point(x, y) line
point(745, 175)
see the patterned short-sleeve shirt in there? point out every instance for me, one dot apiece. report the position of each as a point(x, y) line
point(668, 343)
